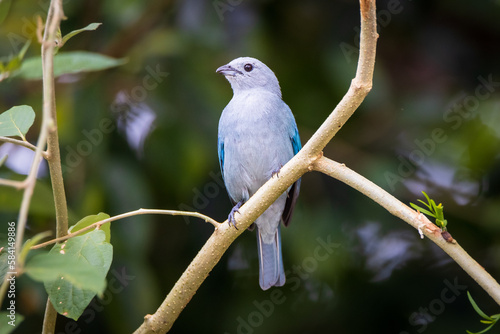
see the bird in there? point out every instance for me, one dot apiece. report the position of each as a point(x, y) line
point(257, 135)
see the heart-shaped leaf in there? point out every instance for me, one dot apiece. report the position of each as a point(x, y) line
point(73, 272)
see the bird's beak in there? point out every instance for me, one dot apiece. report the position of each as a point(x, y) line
point(227, 70)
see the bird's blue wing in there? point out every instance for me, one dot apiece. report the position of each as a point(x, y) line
point(296, 141)
point(220, 151)
point(294, 190)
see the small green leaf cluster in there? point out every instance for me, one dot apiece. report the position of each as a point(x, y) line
point(491, 321)
point(435, 211)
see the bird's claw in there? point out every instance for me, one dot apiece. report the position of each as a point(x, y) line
point(230, 219)
point(276, 171)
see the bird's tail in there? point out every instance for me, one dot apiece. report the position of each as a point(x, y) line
point(271, 272)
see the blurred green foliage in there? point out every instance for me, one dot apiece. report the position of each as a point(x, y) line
point(430, 123)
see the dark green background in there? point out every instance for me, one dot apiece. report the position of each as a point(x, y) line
point(380, 274)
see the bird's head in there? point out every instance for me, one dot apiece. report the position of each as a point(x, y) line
point(249, 73)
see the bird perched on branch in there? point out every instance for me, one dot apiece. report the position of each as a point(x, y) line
point(257, 136)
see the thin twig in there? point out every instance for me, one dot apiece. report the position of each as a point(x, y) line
point(20, 143)
point(13, 183)
point(412, 217)
point(126, 215)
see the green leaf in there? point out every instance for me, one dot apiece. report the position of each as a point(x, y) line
point(89, 220)
point(416, 207)
point(427, 205)
point(31, 242)
point(74, 272)
point(487, 328)
point(48, 267)
point(6, 318)
point(433, 204)
point(476, 308)
point(67, 63)
point(483, 331)
point(70, 300)
point(92, 26)
point(16, 121)
point(439, 212)
point(427, 197)
point(13, 62)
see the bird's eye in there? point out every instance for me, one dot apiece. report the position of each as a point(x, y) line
point(248, 67)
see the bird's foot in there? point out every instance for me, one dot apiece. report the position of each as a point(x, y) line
point(276, 171)
point(230, 219)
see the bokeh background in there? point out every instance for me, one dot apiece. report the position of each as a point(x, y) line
point(431, 123)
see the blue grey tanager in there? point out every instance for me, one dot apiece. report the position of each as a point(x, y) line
point(257, 136)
